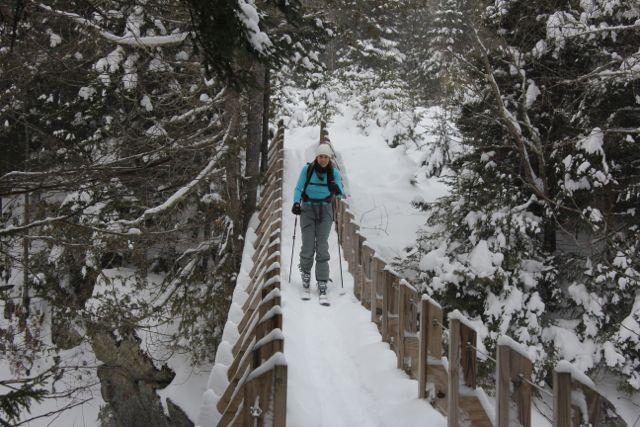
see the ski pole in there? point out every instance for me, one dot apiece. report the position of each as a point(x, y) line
point(335, 217)
point(295, 228)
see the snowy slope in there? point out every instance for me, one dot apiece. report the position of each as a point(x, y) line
point(340, 371)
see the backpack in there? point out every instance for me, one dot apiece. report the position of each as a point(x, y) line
point(310, 169)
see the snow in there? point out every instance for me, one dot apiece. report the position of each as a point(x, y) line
point(481, 260)
point(86, 92)
point(593, 143)
point(146, 103)
point(54, 39)
point(277, 359)
point(532, 94)
point(378, 184)
point(426, 297)
point(249, 17)
point(274, 335)
point(582, 353)
point(515, 346)
point(568, 367)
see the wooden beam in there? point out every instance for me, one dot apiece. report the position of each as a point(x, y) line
point(561, 399)
point(280, 396)
point(402, 311)
point(385, 305)
point(521, 370)
point(503, 383)
point(423, 339)
point(454, 374)
point(374, 267)
point(469, 359)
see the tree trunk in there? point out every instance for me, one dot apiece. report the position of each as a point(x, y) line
point(129, 381)
point(25, 239)
point(253, 142)
point(266, 99)
point(234, 188)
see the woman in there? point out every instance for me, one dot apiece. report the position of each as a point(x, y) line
point(318, 184)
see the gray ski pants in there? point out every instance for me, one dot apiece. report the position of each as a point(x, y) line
point(315, 222)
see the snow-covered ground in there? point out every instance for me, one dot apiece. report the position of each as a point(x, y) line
point(340, 371)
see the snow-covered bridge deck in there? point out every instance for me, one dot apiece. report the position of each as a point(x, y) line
point(345, 365)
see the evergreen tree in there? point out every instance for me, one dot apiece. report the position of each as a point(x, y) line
point(542, 212)
point(128, 189)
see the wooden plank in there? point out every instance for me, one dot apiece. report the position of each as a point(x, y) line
point(257, 399)
point(561, 399)
point(385, 305)
point(402, 307)
point(503, 383)
point(376, 273)
point(232, 394)
point(366, 255)
point(435, 322)
point(474, 412)
point(423, 338)
point(411, 355)
point(469, 358)
point(453, 418)
point(280, 396)
point(594, 403)
point(439, 377)
point(521, 369)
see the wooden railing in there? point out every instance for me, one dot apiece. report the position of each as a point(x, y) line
point(413, 326)
point(257, 390)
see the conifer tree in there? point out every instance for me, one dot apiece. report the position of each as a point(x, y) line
point(541, 216)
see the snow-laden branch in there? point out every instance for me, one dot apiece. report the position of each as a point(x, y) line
point(511, 123)
point(178, 195)
point(594, 30)
point(12, 230)
point(128, 40)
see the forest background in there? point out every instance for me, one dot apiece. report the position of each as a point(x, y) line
point(134, 139)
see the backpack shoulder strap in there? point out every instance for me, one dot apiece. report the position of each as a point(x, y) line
point(306, 183)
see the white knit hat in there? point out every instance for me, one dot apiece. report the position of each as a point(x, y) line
point(324, 150)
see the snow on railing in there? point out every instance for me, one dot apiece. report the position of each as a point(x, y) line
point(413, 326)
point(248, 383)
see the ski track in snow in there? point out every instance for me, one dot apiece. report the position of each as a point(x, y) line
point(340, 372)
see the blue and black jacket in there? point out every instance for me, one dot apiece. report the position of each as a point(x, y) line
point(318, 189)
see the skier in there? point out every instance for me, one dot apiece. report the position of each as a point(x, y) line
point(318, 184)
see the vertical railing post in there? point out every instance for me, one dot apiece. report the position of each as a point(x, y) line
point(503, 378)
point(280, 396)
point(423, 339)
point(366, 255)
point(514, 368)
point(402, 296)
point(379, 290)
point(374, 289)
point(359, 274)
point(386, 285)
point(454, 373)
point(561, 399)
point(469, 359)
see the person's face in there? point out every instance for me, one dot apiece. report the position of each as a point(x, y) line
point(323, 160)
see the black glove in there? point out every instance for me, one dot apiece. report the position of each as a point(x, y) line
point(333, 188)
point(296, 209)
